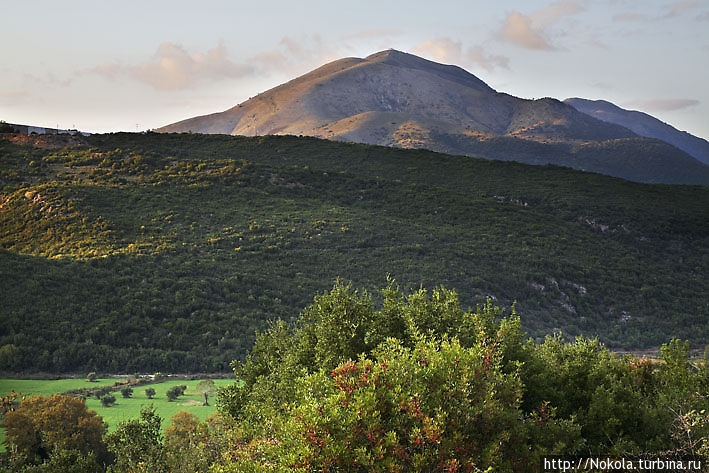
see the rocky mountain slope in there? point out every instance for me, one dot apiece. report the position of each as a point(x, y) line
point(397, 99)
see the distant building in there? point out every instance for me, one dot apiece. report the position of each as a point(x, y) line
point(39, 130)
point(36, 129)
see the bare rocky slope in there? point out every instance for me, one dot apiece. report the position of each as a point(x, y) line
point(397, 99)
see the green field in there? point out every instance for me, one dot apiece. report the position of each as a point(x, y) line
point(123, 409)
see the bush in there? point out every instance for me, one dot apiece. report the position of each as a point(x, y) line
point(127, 392)
point(91, 377)
point(150, 393)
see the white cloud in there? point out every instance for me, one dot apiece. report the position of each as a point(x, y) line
point(530, 30)
point(172, 67)
point(477, 55)
point(295, 55)
point(517, 29)
point(554, 12)
point(443, 50)
point(447, 51)
point(662, 105)
point(678, 8)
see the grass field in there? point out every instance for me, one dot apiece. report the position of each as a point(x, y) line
point(123, 409)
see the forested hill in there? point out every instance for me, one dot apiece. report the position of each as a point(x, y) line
point(166, 252)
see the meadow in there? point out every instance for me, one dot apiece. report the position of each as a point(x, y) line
point(124, 408)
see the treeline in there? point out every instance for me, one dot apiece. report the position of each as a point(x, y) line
point(166, 252)
point(416, 384)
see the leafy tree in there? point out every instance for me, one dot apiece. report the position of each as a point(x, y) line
point(6, 127)
point(150, 393)
point(43, 425)
point(127, 392)
point(108, 400)
point(436, 406)
point(185, 429)
point(91, 377)
point(343, 324)
point(176, 391)
point(9, 356)
point(102, 391)
point(206, 387)
point(61, 461)
point(138, 444)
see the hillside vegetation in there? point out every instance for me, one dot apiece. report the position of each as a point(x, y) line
point(166, 252)
point(416, 385)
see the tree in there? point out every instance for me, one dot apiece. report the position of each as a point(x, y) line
point(137, 444)
point(173, 393)
point(108, 400)
point(100, 392)
point(61, 461)
point(42, 425)
point(91, 377)
point(437, 406)
point(6, 127)
point(150, 393)
point(10, 357)
point(185, 430)
point(127, 392)
point(206, 387)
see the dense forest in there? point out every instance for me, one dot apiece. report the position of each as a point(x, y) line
point(412, 384)
point(146, 252)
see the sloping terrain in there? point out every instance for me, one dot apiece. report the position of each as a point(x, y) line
point(644, 125)
point(166, 252)
point(396, 99)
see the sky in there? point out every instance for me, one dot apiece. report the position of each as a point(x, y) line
point(103, 66)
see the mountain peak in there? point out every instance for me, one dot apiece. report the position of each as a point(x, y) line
point(453, 73)
point(394, 98)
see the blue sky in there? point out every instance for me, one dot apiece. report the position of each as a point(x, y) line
point(109, 66)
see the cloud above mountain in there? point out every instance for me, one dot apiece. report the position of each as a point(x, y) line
point(173, 67)
point(530, 30)
point(448, 51)
point(517, 29)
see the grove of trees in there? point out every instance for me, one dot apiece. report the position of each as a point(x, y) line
point(142, 253)
point(412, 384)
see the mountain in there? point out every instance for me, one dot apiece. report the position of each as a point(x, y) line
point(397, 99)
point(643, 125)
point(165, 252)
